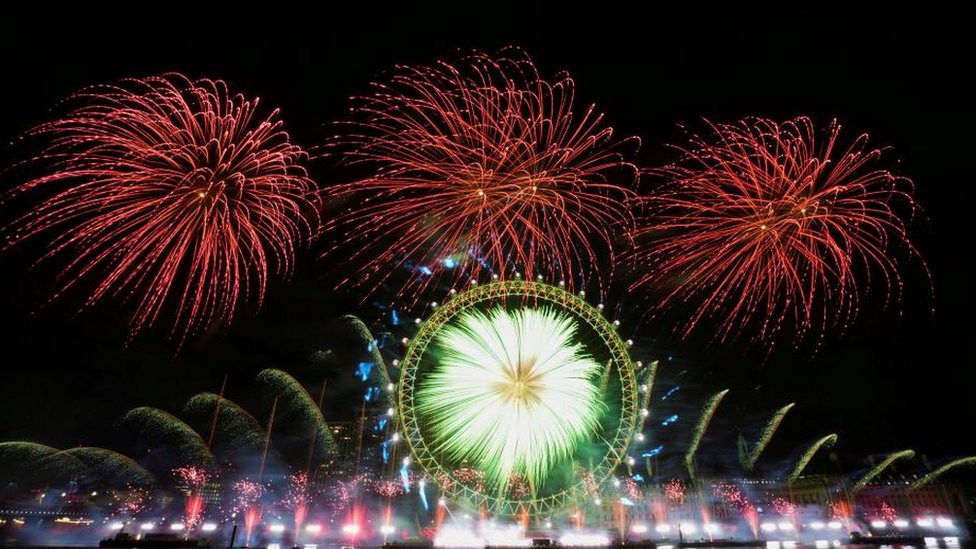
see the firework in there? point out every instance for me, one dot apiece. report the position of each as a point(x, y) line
point(191, 478)
point(170, 430)
point(111, 465)
point(887, 512)
point(131, 501)
point(971, 460)
point(512, 394)
point(763, 225)
point(387, 488)
point(733, 497)
point(674, 490)
point(469, 476)
point(37, 461)
point(631, 489)
point(243, 431)
point(749, 462)
point(247, 500)
point(481, 165)
point(298, 498)
point(880, 467)
point(170, 192)
point(801, 464)
point(298, 404)
point(785, 508)
point(708, 411)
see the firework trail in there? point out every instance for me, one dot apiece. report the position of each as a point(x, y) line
point(296, 403)
point(485, 391)
point(933, 475)
point(481, 165)
point(243, 430)
point(169, 193)
point(708, 411)
point(761, 224)
point(30, 460)
point(170, 430)
point(646, 388)
point(111, 466)
point(879, 468)
point(801, 464)
point(749, 463)
point(364, 333)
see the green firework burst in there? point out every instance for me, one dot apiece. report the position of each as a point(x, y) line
point(513, 393)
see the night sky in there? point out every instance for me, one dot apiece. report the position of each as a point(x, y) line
point(893, 381)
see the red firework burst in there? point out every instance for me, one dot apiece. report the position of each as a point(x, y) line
point(675, 490)
point(168, 191)
point(761, 224)
point(480, 166)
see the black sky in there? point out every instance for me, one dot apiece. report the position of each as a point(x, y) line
point(899, 74)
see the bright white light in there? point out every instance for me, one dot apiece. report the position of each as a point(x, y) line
point(274, 546)
point(176, 526)
point(951, 541)
point(406, 461)
point(901, 523)
point(785, 526)
point(630, 460)
point(116, 526)
point(834, 525)
point(548, 524)
point(616, 482)
point(389, 387)
point(822, 544)
point(924, 522)
point(712, 528)
point(640, 437)
point(442, 502)
point(276, 528)
point(931, 541)
point(944, 522)
point(597, 501)
point(208, 527)
point(639, 528)
point(387, 529)
point(390, 411)
point(688, 527)
point(662, 528)
point(147, 526)
point(583, 540)
point(789, 543)
point(310, 546)
point(352, 528)
point(395, 437)
point(768, 526)
point(817, 525)
point(313, 528)
point(879, 524)
point(94, 494)
point(772, 545)
point(645, 412)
